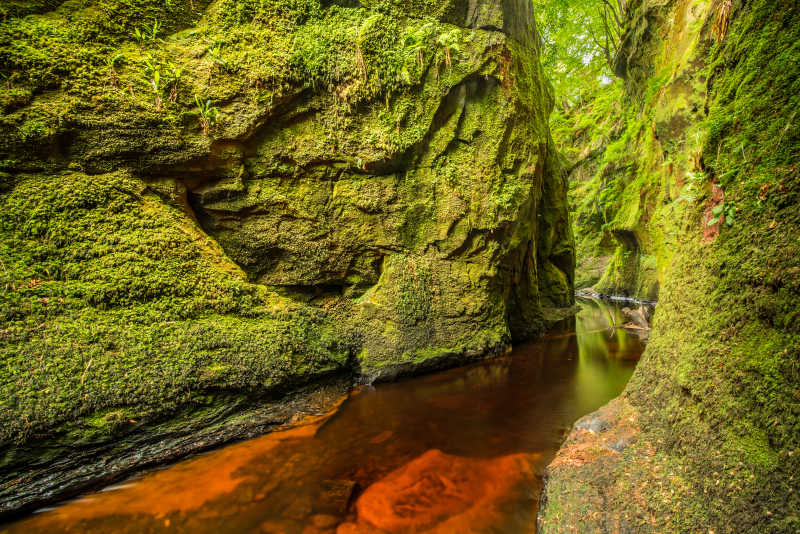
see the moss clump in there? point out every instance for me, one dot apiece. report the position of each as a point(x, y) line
point(114, 300)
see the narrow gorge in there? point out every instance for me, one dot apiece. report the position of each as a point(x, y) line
point(265, 220)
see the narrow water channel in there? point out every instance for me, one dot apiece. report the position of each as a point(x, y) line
point(460, 451)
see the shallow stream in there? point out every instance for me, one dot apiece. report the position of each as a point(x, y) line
point(459, 451)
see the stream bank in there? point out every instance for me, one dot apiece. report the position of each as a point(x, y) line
point(457, 451)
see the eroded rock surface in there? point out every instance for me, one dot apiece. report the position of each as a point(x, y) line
point(714, 190)
point(232, 196)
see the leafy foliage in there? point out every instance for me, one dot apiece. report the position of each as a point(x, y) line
point(208, 113)
point(725, 211)
point(148, 33)
point(571, 56)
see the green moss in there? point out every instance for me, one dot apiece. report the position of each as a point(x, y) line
point(114, 299)
point(717, 388)
point(372, 186)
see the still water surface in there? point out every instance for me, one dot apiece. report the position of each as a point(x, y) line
point(461, 451)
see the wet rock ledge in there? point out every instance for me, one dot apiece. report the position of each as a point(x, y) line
point(60, 468)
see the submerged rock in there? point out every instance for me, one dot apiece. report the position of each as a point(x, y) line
point(336, 495)
point(437, 492)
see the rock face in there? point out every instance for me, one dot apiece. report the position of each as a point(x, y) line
point(247, 196)
point(438, 215)
point(708, 424)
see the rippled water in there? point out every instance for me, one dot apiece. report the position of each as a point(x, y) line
point(460, 451)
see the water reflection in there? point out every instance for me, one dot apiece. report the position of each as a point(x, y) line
point(458, 451)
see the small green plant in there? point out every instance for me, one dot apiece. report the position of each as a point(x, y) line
point(693, 189)
point(417, 41)
point(215, 53)
point(689, 194)
point(150, 66)
point(161, 77)
point(726, 210)
point(449, 42)
point(111, 63)
point(153, 76)
point(173, 79)
point(147, 33)
point(208, 114)
point(155, 85)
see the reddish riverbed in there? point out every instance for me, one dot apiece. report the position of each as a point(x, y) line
point(459, 451)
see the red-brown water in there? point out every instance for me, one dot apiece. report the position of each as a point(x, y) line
point(457, 452)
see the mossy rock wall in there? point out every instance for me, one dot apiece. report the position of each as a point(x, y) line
point(247, 196)
point(706, 436)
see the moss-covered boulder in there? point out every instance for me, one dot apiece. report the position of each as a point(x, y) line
point(246, 196)
point(707, 435)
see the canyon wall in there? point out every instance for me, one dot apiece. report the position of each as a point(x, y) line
point(706, 167)
point(207, 202)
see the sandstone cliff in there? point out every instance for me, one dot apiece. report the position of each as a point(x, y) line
point(705, 438)
point(207, 200)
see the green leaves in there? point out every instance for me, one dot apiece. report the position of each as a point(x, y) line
point(571, 56)
point(155, 82)
point(147, 34)
point(215, 53)
point(208, 113)
point(726, 210)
